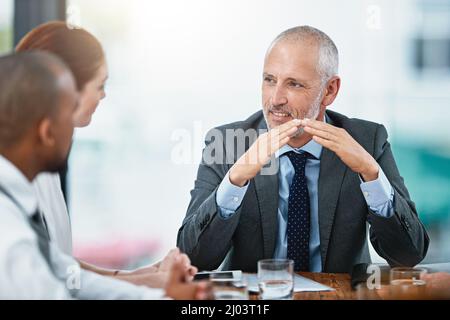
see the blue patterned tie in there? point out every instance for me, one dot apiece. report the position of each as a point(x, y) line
point(298, 214)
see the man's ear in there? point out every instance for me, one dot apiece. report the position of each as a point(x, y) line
point(331, 90)
point(46, 137)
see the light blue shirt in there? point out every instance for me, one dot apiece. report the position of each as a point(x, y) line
point(379, 196)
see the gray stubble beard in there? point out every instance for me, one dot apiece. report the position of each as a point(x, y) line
point(312, 113)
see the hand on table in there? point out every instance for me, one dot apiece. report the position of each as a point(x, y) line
point(179, 289)
point(157, 275)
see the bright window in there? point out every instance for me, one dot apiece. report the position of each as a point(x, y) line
point(190, 65)
point(6, 25)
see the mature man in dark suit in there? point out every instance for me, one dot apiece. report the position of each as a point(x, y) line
point(327, 177)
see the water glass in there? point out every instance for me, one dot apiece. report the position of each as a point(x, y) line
point(407, 283)
point(276, 279)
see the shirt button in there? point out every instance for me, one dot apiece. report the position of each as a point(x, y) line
point(366, 194)
point(235, 199)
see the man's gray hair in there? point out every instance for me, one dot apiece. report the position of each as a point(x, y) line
point(328, 62)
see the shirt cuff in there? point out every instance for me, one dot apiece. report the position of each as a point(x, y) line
point(229, 197)
point(379, 195)
point(154, 294)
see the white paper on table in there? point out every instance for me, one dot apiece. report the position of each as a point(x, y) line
point(301, 284)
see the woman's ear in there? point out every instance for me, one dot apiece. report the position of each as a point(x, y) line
point(331, 90)
point(45, 132)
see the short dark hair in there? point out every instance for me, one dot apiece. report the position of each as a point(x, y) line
point(29, 92)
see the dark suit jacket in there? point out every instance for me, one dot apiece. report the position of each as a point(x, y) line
point(250, 234)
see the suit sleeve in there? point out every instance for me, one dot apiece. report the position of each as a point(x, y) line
point(401, 239)
point(205, 236)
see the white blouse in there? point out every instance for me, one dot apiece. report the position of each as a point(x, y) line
point(52, 204)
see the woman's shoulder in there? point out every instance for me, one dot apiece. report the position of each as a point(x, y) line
point(52, 204)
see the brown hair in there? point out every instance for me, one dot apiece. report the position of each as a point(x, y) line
point(79, 49)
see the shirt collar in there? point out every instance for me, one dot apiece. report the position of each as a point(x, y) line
point(311, 147)
point(18, 186)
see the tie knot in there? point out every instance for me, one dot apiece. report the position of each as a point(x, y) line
point(298, 160)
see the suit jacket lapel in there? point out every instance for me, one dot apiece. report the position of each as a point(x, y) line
point(266, 187)
point(332, 171)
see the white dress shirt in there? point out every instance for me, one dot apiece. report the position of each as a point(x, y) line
point(24, 272)
point(53, 206)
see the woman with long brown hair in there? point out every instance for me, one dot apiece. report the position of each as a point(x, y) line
point(85, 57)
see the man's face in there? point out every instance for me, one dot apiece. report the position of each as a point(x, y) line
point(292, 87)
point(62, 124)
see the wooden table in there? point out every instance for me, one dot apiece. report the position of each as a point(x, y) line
point(338, 281)
point(343, 290)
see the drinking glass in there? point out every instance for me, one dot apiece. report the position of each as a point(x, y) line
point(276, 279)
point(407, 283)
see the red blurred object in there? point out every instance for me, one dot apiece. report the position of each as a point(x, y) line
point(118, 252)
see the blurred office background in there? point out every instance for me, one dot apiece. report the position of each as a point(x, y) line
point(181, 67)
